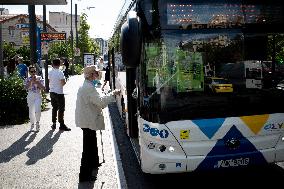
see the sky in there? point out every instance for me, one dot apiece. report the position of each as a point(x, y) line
point(101, 18)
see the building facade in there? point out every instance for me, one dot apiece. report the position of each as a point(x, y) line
point(15, 29)
point(61, 21)
point(103, 45)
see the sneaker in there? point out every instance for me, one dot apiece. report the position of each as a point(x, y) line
point(37, 126)
point(64, 128)
point(32, 126)
point(53, 126)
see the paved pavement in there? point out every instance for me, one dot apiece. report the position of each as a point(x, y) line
point(51, 159)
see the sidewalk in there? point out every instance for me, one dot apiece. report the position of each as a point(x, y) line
point(51, 159)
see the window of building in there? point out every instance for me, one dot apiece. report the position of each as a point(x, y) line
point(11, 31)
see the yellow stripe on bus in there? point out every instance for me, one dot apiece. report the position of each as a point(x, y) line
point(256, 122)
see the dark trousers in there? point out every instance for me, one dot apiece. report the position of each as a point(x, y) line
point(90, 158)
point(58, 105)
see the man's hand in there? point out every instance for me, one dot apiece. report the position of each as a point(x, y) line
point(116, 92)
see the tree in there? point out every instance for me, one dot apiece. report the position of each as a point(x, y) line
point(276, 43)
point(85, 43)
point(8, 51)
point(24, 51)
point(59, 49)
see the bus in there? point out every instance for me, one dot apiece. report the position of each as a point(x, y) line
point(158, 53)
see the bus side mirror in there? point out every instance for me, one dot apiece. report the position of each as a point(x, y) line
point(131, 41)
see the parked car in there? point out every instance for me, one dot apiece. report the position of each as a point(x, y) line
point(280, 85)
point(218, 85)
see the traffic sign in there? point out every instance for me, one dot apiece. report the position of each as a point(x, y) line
point(89, 59)
point(45, 36)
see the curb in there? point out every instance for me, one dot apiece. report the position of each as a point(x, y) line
point(121, 181)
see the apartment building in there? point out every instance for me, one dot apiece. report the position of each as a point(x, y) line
point(61, 21)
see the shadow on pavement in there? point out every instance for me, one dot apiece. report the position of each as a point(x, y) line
point(43, 148)
point(250, 177)
point(86, 185)
point(17, 147)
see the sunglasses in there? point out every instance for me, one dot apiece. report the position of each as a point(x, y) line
point(33, 71)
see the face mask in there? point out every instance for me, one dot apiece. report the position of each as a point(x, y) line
point(95, 82)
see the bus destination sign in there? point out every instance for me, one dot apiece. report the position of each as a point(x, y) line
point(52, 36)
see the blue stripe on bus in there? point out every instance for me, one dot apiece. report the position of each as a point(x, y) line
point(209, 126)
point(222, 156)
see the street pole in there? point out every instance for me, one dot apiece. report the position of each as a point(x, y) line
point(76, 30)
point(32, 30)
point(1, 49)
point(76, 25)
point(71, 33)
point(1, 53)
point(46, 56)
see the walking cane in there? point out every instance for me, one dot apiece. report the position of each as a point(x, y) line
point(102, 146)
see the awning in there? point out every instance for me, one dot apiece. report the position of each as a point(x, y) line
point(33, 2)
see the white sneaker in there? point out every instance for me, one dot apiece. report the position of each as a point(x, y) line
point(37, 126)
point(32, 126)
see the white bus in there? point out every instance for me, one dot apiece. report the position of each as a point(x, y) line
point(173, 124)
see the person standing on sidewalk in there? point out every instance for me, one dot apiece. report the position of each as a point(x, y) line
point(107, 77)
point(34, 84)
point(56, 82)
point(22, 68)
point(89, 117)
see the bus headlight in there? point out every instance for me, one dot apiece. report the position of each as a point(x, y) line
point(163, 148)
point(171, 149)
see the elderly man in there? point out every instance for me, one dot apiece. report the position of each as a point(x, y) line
point(89, 117)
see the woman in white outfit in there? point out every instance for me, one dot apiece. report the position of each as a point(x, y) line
point(34, 84)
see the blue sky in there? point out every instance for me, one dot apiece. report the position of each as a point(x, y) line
point(101, 18)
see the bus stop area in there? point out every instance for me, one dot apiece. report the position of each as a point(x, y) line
point(52, 158)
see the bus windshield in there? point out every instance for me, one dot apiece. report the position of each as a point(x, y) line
point(221, 13)
point(198, 14)
point(197, 41)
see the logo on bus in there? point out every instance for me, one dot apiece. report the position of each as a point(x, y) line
point(232, 163)
point(273, 127)
point(155, 132)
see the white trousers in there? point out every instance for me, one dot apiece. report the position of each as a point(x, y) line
point(34, 103)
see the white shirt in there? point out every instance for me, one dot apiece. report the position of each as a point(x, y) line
point(55, 76)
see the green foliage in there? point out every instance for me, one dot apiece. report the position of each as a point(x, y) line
point(58, 49)
point(8, 51)
point(24, 51)
point(78, 69)
point(114, 42)
point(85, 43)
point(276, 42)
point(13, 102)
point(44, 101)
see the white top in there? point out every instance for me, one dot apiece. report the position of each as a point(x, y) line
point(33, 87)
point(55, 76)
